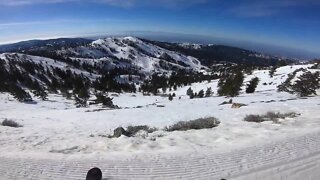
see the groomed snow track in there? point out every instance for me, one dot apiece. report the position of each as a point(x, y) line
point(294, 158)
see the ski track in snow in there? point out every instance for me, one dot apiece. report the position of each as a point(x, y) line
point(289, 158)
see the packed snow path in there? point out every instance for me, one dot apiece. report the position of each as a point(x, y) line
point(293, 158)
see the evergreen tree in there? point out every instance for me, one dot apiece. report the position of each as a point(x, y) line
point(192, 95)
point(82, 98)
point(20, 94)
point(231, 85)
point(170, 97)
point(282, 63)
point(80, 102)
point(286, 86)
point(201, 94)
point(175, 87)
point(307, 84)
point(105, 101)
point(251, 87)
point(272, 71)
point(41, 93)
point(164, 89)
point(38, 90)
point(84, 93)
point(65, 93)
point(189, 91)
point(208, 92)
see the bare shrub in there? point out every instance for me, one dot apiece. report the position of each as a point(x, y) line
point(270, 116)
point(273, 116)
point(10, 123)
point(202, 123)
point(253, 118)
point(132, 130)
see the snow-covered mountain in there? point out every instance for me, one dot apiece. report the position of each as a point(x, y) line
point(126, 52)
point(112, 64)
point(132, 52)
point(45, 63)
point(122, 64)
point(212, 54)
point(125, 60)
point(149, 56)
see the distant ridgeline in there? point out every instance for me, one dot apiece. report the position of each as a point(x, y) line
point(210, 55)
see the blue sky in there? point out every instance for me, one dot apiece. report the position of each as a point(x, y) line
point(294, 24)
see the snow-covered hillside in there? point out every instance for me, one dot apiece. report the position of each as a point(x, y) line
point(131, 59)
point(44, 62)
point(112, 65)
point(56, 131)
point(130, 51)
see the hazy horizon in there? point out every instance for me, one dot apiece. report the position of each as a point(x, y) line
point(268, 49)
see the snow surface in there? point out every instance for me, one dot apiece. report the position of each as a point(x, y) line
point(64, 139)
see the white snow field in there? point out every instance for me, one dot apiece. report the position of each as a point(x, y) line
point(60, 141)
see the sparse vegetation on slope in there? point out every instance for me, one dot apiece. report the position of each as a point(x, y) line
point(212, 54)
point(286, 85)
point(307, 84)
point(202, 123)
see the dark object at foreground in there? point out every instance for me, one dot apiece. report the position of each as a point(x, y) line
point(10, 123)
point(94, 174)
point(131, 131)
point(120, 131)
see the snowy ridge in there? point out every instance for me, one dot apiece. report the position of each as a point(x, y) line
point(45, 62)
point(190, 46)
point(134, 52)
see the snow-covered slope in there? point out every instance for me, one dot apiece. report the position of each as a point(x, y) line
point(46, 63)
point(127, 53)
point(130, 51)
point(131, 60)
point(76, 125)
point(56, 135)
